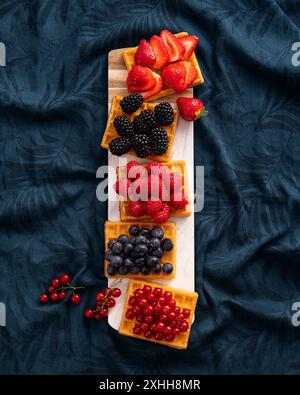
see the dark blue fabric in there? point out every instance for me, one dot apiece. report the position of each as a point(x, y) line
point(53, 104)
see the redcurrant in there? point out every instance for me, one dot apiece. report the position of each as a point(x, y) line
point(147, 289)
point(157, 292)
point(140, 318)
point(55, 283)
point(65, 279)
point(54, 297)
point(138, 293)
point(62, 295)
point(168, 295)
point(100, 296)
point(149, 310)
point(183, 326)
point(172, 303)
point(157, 308)
point(144, 327)
point(180, 317)
point(150, 297)
point(51, 290)
point(148, 319)
point(44, 298)
point(176, 310)
point(148, 334)
point(172, 316)
point(137, 330)
point(162, 301)
point(130, 314)
point(159, 336)
point(143, 302)
point(110, 303)
point(160, 327)
point(166, 309)
point(133, 301)
point(116, 292)
point(186, 313)
point(176, 331)
point(75, 298)
point(104, 312)
point(168, 330)
point(163, 319)
point(88, 313)
point(137, 310)
point(169, 338)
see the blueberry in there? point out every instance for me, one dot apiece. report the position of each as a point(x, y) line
point(134, 230)
point(152, 260)
point(135, 270)
point(132, 240)
point(158, 252)
point(156, 268)
point(111, 243)
point(128, 249)
point(116, 261)
point(129, 262)
point(123, 239)
point(140, 240)
point(117, 248)
point(167, 268)
point(141, 249)
point(154, 243)
point(140, 262)
point(145, 270)
point(123, 270)
point(111, 270)
point(157, 232)
point(167, 244)
point(144, 232)
point(108, 255)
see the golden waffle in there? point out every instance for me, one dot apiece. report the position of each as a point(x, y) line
point(128, 57)
point(111, 133)
point(115, 229)
point(177, 166)
point(184, 299)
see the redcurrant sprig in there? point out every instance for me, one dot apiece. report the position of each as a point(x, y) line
point(105, 300)
point(59, 288)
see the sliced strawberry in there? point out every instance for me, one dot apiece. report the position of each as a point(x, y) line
point(191, 73)
point(189, 43)
point(157, 87)
point(174, 76)
point(144, 55)
point(173, 45)
point(161, 54)
point(140, 79)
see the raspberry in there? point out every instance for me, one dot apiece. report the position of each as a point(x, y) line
point(173, 182)
point(152, 206)
point(137, 172)
point(121, 186)
point(136, 209)
point(139, 189)
point(163, 214)
point(178, 200)
point(156, 168)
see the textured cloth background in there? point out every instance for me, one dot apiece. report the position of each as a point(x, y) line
point(53, 105)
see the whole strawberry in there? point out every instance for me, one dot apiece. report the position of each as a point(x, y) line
point(190, 108)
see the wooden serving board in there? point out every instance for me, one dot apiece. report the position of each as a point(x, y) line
point(183, 149)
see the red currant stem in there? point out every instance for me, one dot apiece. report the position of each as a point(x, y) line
point(116, 282)
point(69, 286)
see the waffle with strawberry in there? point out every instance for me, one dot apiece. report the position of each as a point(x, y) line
point(164, 65)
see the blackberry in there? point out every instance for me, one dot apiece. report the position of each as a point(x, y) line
point(131, 103)
point(120, 146)
point(144, 122)
point(141, 145)
point(123, 126)
point(164, 113)
point(159, 139)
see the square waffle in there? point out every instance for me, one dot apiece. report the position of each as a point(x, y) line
point(184, 299)
point(128, 57)
point(111, 133)
point(177, 166)
point(115, 229)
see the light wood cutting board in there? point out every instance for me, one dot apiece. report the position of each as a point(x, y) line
point(183, 149)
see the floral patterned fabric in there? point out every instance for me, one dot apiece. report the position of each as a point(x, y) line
point(53, 105)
